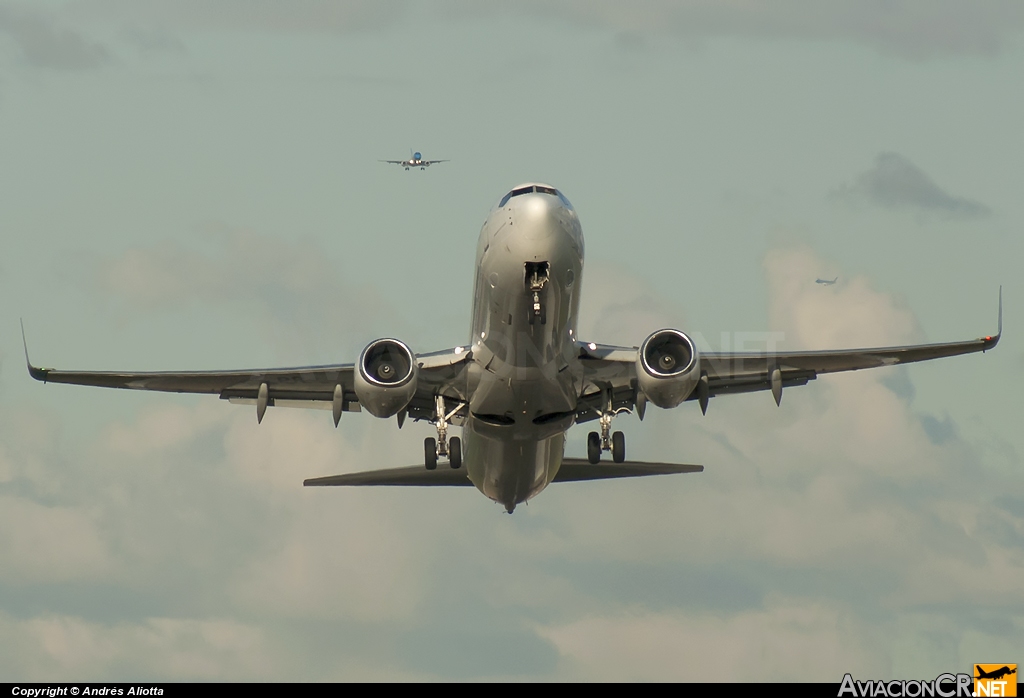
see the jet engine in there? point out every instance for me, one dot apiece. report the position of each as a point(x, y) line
point(385, 378)
point(667, 367)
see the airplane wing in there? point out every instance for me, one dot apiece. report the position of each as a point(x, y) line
point(572, 470)
point(393, 162)
point(610, 369)
point(432, 162)
point(304, 386)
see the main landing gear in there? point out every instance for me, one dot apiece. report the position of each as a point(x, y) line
point(606, 440)
point(442, 446)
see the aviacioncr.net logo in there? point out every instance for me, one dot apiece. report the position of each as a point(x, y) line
point(943, 686)
point(995, 680)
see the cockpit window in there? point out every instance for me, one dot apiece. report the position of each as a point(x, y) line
point(515, 192)
point(533, 189)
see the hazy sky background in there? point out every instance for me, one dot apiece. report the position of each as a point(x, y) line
point(195, 185)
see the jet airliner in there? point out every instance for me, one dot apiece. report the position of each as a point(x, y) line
point(826, 282)
point(416, 160)
point(524, 378)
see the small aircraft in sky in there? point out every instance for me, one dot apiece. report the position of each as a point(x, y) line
point(524, 377)
point(826, 282)
point(415, 160)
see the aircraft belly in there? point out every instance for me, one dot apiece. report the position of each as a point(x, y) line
point(510, 472)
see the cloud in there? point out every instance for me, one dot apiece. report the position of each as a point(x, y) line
point(895, 182)
point(294, 287)
point(167, 533)
point(787, 641)
point(72, 648)
point(913, 28)
point(249, 15)
point(616, 309)
point(850, 314)
point(44, 43)
point(153, 40)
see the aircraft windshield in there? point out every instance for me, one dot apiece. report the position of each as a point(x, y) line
point(539, 189)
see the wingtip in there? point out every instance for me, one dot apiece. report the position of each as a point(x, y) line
point(993, 340)
point(1000, 325)
point(38, 373)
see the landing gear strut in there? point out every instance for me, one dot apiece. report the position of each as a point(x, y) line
point(536, 278)
point(606, 440)
point(442, 446)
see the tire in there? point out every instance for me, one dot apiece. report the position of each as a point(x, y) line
point(594, 447)
point(430, 453)
point(618, 447)
point(455, 452)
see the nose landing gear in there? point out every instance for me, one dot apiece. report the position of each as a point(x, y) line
point(536, 278)
point(443, 446)
point(606, 440)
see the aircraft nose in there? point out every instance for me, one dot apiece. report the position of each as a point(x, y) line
point(536, 216)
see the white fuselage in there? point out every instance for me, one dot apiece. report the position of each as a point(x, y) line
point(525, 377)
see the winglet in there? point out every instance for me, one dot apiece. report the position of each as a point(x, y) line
point(994, 340)
point(1000, 328)
point(38, 373)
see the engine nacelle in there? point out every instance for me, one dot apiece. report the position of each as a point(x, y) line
point(667, 367)
point(385, 379)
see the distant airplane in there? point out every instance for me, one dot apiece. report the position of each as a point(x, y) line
point(524, 377)
point(416, 160)
point(826, 282)
point(996, 674)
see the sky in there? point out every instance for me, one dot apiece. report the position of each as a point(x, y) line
point(196, 185)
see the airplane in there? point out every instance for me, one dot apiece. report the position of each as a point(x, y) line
point(416, 160)
point(525, 377)
point(826, 282)
point(995, 674)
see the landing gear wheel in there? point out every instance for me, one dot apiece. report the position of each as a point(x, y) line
point(618, 447)
point(430, 452)
point(594, 447)
point(455, 452)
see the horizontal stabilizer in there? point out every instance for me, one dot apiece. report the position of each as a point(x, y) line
point(572, 470)
point(413, 476)
point(576, 469)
